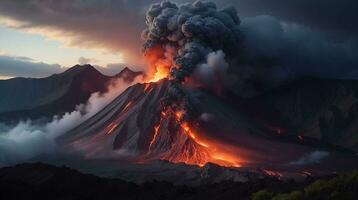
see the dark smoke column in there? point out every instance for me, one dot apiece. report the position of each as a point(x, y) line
point(180, 37)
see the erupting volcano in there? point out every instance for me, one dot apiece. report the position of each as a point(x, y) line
point(188, 146)
point(142, 125)
point(186, 110)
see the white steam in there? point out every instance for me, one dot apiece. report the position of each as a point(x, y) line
point(28, 139)
point(311, 158)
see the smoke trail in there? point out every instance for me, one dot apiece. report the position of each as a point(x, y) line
point(28, 139)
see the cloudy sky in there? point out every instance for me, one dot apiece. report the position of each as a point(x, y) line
point(42, 37)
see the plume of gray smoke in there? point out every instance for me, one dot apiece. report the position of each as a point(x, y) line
point(261, 52)
point(193, 30)
point(214, 68)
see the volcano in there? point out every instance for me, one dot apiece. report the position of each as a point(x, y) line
point(140, 126)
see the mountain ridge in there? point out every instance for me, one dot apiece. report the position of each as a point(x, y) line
point(31, 98)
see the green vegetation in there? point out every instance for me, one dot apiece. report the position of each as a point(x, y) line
point(343, 187)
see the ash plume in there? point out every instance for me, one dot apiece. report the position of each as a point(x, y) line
point(260, 52)
point(193, 31)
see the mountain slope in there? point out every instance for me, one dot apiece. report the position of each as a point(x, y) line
point(139, 126)
point(31, 98)
point(325, 109)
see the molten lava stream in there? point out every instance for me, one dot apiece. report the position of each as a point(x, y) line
point(156, 130)
point(192, 148)
point(216, 153)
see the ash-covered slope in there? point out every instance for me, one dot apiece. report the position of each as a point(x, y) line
point(32, 98)
point(325, 109)
point(138, 125)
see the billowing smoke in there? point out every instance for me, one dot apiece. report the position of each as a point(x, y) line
point(185, 35)
point(28, 139)
point(213, 71)
point(311, 158)
point(201, 42)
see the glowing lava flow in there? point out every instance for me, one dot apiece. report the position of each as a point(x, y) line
point(215, 153)
point(111, 128)
point(156, 130)
point(187, 146)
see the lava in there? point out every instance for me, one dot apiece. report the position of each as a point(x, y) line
point(111, 128)
point(188, 146)
point(159, 64)
point(127, 105)
point(146, 87)
point(182, 143)
point(156, 130)
point(273, 173)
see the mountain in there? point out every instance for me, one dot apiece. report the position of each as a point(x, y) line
point(325, 109)
point(32, 98)
point(139, 126)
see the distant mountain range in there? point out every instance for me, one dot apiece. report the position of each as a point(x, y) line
point(33, 98)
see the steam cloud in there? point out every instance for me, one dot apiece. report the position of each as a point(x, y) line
point(27, 139)
point(311, 158)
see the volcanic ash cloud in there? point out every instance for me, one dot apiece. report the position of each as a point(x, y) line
point(180, 37)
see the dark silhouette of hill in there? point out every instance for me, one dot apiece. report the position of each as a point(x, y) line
point(41, 181)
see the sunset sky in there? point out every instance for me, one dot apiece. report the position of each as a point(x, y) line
point(42, 37)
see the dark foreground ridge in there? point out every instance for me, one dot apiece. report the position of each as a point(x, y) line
point(41, 181)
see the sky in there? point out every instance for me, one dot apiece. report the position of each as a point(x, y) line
point(42, 37)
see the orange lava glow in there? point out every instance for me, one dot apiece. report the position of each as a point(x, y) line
point(193, 136)
point(146, 87)
point(127, 105)
point(273, 173)
point(156, 130)
point(193, 148)
point(216, 154)
point(162, 68)
point(159, 66)
point(111, 128)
